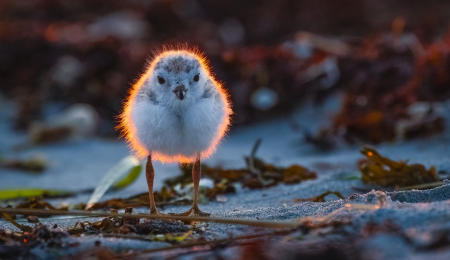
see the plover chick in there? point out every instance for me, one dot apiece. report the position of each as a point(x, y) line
point(176, 112)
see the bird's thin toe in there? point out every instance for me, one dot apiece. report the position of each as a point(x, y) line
point(192, 212)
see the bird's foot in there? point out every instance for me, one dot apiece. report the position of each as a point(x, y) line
point(156, 212)
point(194, 211)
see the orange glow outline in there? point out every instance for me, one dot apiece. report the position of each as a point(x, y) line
point(128, 129)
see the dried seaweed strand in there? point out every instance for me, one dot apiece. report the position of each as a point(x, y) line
point(14, 223)
point(251, 163)
point(247, 222)
point(422, 186)
point(321, 197)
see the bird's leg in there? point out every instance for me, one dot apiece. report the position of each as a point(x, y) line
point(150, 174)
point(196, 175)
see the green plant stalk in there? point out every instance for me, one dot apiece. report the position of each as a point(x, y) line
point(32, 192)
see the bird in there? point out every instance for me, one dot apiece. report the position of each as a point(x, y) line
point(177, 112)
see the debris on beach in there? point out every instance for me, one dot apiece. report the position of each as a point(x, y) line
point(224, 181)
point(127, 225)
point(312, 78)
point(35, 164)
point(387, 79)
point(379, 170)
point(77, 121)
point(321, 197)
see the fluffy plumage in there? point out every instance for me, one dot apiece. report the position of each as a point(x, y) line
point(176, 110)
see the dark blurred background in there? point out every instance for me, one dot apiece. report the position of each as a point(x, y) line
point(385, 57)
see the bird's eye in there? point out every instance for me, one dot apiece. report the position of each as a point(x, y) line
point(161, 80)
point(196, 77)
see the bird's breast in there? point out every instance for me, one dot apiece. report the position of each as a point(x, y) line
point(185, 131)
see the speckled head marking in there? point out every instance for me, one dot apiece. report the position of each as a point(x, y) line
point(177, 64)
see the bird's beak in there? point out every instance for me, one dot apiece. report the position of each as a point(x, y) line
point(180, 92)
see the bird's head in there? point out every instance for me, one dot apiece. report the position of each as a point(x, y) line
point(178, 77)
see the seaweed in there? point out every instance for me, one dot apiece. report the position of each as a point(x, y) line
point(292, 65)
point(321, 197)
point(382, 171)
point(31, 203)
point(257, 175)
point(386, 78)
point(11, 220)
point(41, 134)
point(35, 203)
point(307, 232)
point(33, 165)
point(126, 225)
point(15, 244)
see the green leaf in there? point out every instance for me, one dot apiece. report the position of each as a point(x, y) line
point(349, 176)
point(31, 192)
point(118, 174)
point(129, 179)
point(168, 237)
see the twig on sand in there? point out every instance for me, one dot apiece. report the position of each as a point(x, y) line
point(429, 185)
point(247, 222)
point(235, 221)
point(14, 223)
point(237, 241)
point(196, 246)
